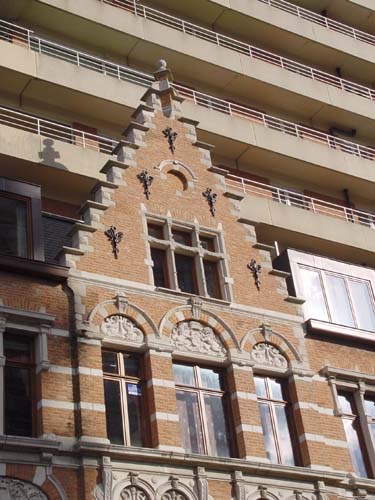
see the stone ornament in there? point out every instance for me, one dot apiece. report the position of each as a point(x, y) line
point(133, 493)
point(193, 336)
point(173, 495)
point(13, 489)
point(119, 326)
point(268, 355)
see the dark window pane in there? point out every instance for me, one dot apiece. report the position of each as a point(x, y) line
point(182, 237)
point(17, 401)
point(13, 227)
point(17, 349)
point(134, 396)
point(207, 243)
point(190, 425)
point(183, 374)
point(159, 268)
point(131, 362)
point(212, 278)
point(109, 360)
point(155, 231)
point(217, 432)
point(185, 273)
point(346, 403)
point(113, 411)
point(211, 379)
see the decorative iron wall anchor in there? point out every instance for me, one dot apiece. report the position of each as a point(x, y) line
point(171, 136)
point(211, 200)
point(115, 238)
point(256, 269)
point(146, 180)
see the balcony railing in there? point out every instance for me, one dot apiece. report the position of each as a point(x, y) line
point(19, 35)
point(241, 47)
point(54, 130)
point(302, 13)
point(300, 201)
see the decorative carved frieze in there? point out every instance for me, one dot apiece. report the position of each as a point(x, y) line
point(193, 336)
point(118, 326)
point(268, 355)
point(133, 493)
point(174, 495)
point(19, 490)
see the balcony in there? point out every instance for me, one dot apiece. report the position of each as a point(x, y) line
point(305, 222)
point(247, 70)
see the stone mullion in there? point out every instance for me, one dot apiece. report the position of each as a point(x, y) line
point(2, 364)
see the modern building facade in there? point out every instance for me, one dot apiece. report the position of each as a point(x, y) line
point(187, 250)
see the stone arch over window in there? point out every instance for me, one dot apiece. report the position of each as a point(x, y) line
point(272, 347)
point(180, 169)
point(118, 318)
point(194, 317)
point(133, 488)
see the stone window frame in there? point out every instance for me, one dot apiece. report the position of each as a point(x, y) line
point(297, 259)
point(196, 250)
point(31, 193)
point(25, 323)
point(359, 384)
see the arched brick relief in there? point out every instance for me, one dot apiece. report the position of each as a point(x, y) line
point(179, 168)
point(118, 318)
point(174, 489)
point(265, 343)
point(195, 313)
point(133, 488)
point(18, 489)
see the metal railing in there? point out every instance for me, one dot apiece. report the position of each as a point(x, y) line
point(274, 123)
point(344, 29)
point(298, 200)
point(54, 130)
point(19, 35)
point(241, 47)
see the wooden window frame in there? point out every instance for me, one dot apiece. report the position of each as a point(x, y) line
point(200, 392)
point(31, 194)
point(122, 379)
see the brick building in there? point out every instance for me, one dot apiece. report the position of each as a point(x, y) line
point(187, 253)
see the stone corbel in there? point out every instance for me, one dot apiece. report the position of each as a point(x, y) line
point(239, 485)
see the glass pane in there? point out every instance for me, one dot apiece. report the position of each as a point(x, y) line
point(207, 243)
point(190, 424)
point(182, 237)
point(217, 433)
point(313, 293)
point(155, 231)
point(370, 407)
point(17, 349)
point(212, 278)
point(17, 401)
point(356, 454)
point(346, 403)
point(134, 392)
point(269, 439)
point(339, 304)
point(284, 436)
point(185, 273)
point(131, 362)
point(159, 268)
point(276, 389)
point(13, 227)
point(113, 411)
point(109, 360)
point(372, 426)
point(184, 374)
point(363, 306)
point(260, 387)
point(211, 378)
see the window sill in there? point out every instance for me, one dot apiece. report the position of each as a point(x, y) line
point(170, 291)
point(28, 443)
point(317, 326)
point(36, 268)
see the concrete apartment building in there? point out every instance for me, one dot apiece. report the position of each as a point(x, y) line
point(187, 250)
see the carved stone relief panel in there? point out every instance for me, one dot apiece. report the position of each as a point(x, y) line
point(173, 495)
point(133, 493)
point(13, 489)
point(193, 336)
point(268, 355)
point(119, 326)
